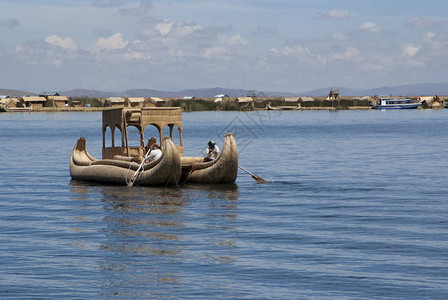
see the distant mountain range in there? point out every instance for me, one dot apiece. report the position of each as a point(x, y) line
point(419, 89)
point(206, 93)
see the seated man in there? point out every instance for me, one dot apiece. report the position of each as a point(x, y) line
point(151, 141)
point(211, 152)
point(154, 154)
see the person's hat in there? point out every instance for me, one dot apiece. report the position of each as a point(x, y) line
point(211, 142)
point(155, 145)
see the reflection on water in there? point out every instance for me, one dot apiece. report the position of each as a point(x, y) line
point(337, 218)
point(146, 232)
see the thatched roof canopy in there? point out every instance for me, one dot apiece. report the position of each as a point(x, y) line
point(156, 100)
point(136, 99)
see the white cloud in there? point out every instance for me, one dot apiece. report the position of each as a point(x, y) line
point(176, 30)
point(215, 52)
point(111, 3)
point(164, 28)
point(114, 42)
point(57, 41)
point(176, 53)
point(347, 54)
point(183, 31)
point(266, 30)
point(339, 14)
point(430, 35)
point(341, 35)
point(237, 39)
point(334, 14)
point(298, 53)
point(141, 10)
point(135, 55)
point(371, 27)
point(410, 50)
point(420, 22)
point(372, 67)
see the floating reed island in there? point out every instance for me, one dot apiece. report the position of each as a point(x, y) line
point(58, 103)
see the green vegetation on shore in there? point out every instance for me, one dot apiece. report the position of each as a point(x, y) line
point(261, 104)
point(226, 104)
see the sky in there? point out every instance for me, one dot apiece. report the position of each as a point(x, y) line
point(284, 45)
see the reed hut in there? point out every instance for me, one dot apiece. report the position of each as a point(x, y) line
point(306, 99)
point(58, 101)
point(76, 103)
point(34, 101)
point(292, 99)
point(246, 102)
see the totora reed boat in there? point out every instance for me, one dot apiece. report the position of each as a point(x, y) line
point(120, 170)
point(125, 164)
point(223, 169)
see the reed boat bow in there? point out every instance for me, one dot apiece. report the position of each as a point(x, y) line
point(224, 169)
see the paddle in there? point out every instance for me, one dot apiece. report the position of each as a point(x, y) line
point(256, 177)
point(134, 177)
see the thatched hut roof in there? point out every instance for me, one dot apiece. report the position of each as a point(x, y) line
point(58, 98)
point(115, 100)
point(244, 100)
point(292, 99)
point(306, 99)
point(34, 99)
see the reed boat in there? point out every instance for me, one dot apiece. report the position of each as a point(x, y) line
point(120, 162)
point(269, 107)
point(120, 169)
point(223, 169)
point(11, 105)
point(125, 163)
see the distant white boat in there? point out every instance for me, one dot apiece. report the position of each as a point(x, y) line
point(388, 103)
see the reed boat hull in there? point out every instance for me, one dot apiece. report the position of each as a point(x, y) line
point(165, 171)
point(224, 169)
point(269, 107)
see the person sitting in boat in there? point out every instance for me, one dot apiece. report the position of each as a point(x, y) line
point(151, 142)
point(212, 151)
point(155, 153)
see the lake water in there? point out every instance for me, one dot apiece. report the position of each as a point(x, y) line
point(356, 207)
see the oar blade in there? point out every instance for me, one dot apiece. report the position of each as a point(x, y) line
point(254, 176)
point(261, 180)
point(258, 179)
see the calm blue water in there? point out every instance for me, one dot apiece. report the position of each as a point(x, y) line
point(355, 208)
